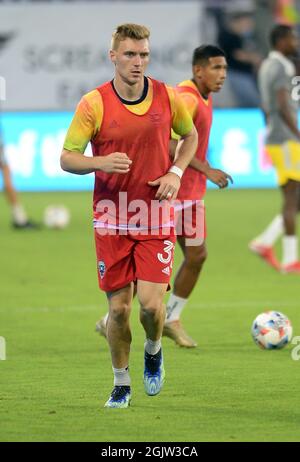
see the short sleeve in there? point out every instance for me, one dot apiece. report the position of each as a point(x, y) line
point(182, 122)
point(85, 123)
point(191, 103)
point(279, 78)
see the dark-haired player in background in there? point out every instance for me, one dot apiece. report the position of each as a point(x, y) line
point(209, 74)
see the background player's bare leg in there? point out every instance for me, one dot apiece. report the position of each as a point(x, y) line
point(185, 281)
point(291, 193)
point(118, 328)
point(9, 190)
point(291, 200)
point(188, 273)
point(19, 216)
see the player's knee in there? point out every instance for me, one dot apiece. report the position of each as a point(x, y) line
point(291, 202)
point(120, 312)
point(290, 211)
point(151, 309)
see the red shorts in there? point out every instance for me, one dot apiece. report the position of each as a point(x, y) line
point(122, 259)
point(190, 222)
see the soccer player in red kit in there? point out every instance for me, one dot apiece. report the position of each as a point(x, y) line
point(128, 123)
point(209, 73)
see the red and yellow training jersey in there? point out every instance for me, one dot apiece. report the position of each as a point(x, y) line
point(142, 131)
point(193, 182)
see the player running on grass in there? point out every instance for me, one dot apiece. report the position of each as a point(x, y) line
point(128, 122)
point(209, 73)
point(283, 146)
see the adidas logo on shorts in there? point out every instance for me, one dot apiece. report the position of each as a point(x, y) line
point(166, 270)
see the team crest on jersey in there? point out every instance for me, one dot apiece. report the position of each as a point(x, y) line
point(166, 270)
point(155, 118)
point(102, 269)
point(114, 124)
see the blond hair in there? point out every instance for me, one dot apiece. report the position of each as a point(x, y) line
point(124, 31)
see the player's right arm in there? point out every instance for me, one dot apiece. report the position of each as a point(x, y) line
point(85, 125)
point(74, 162)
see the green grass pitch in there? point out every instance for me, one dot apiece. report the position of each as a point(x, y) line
point(58, 375)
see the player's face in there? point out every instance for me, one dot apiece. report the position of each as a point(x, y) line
point(292, 43)
point(131, 60)
point(213, 74)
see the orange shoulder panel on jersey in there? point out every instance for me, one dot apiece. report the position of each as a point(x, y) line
point(88, 117)
point(86, 122)
point(189, 96)
point(182, 122)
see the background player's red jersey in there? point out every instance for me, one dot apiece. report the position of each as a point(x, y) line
point(193, 183)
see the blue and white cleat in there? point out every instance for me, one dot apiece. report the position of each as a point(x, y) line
point(120, 397)
point(154, 373)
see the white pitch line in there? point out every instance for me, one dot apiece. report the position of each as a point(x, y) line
point(263, 304)
point(44, 309)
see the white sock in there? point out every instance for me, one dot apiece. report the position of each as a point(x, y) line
point(18, 214)
point(152, 346)
point(175, 306)
point(270, 235)
point(121, 376)
point(290, 250)
point(105, 319)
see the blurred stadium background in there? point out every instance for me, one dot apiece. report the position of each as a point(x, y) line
point(52, 52)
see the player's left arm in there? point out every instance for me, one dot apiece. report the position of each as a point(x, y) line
point(215, 175)
point(191, 103)
point(182, 124)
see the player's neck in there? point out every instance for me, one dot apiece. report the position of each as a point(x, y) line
point(126, 91)
point(282, 52)
point(203, 90)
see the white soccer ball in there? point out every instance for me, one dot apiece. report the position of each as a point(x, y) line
point(272, 330)
point(56, 217)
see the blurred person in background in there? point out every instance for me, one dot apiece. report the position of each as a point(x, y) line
point(264, 17)
point(237, 40)
point(280, 108)
point(19, 216)
point(287, 12)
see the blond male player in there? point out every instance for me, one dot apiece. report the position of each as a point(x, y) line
point(128, 122)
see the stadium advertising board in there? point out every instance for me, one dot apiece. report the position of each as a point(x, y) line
point(57, 53)
point(33, 143)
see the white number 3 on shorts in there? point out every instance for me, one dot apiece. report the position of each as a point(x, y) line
point(169, 246)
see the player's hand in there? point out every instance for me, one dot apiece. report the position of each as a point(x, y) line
point(168, 186)
point(219, 177)
point(117, 162)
